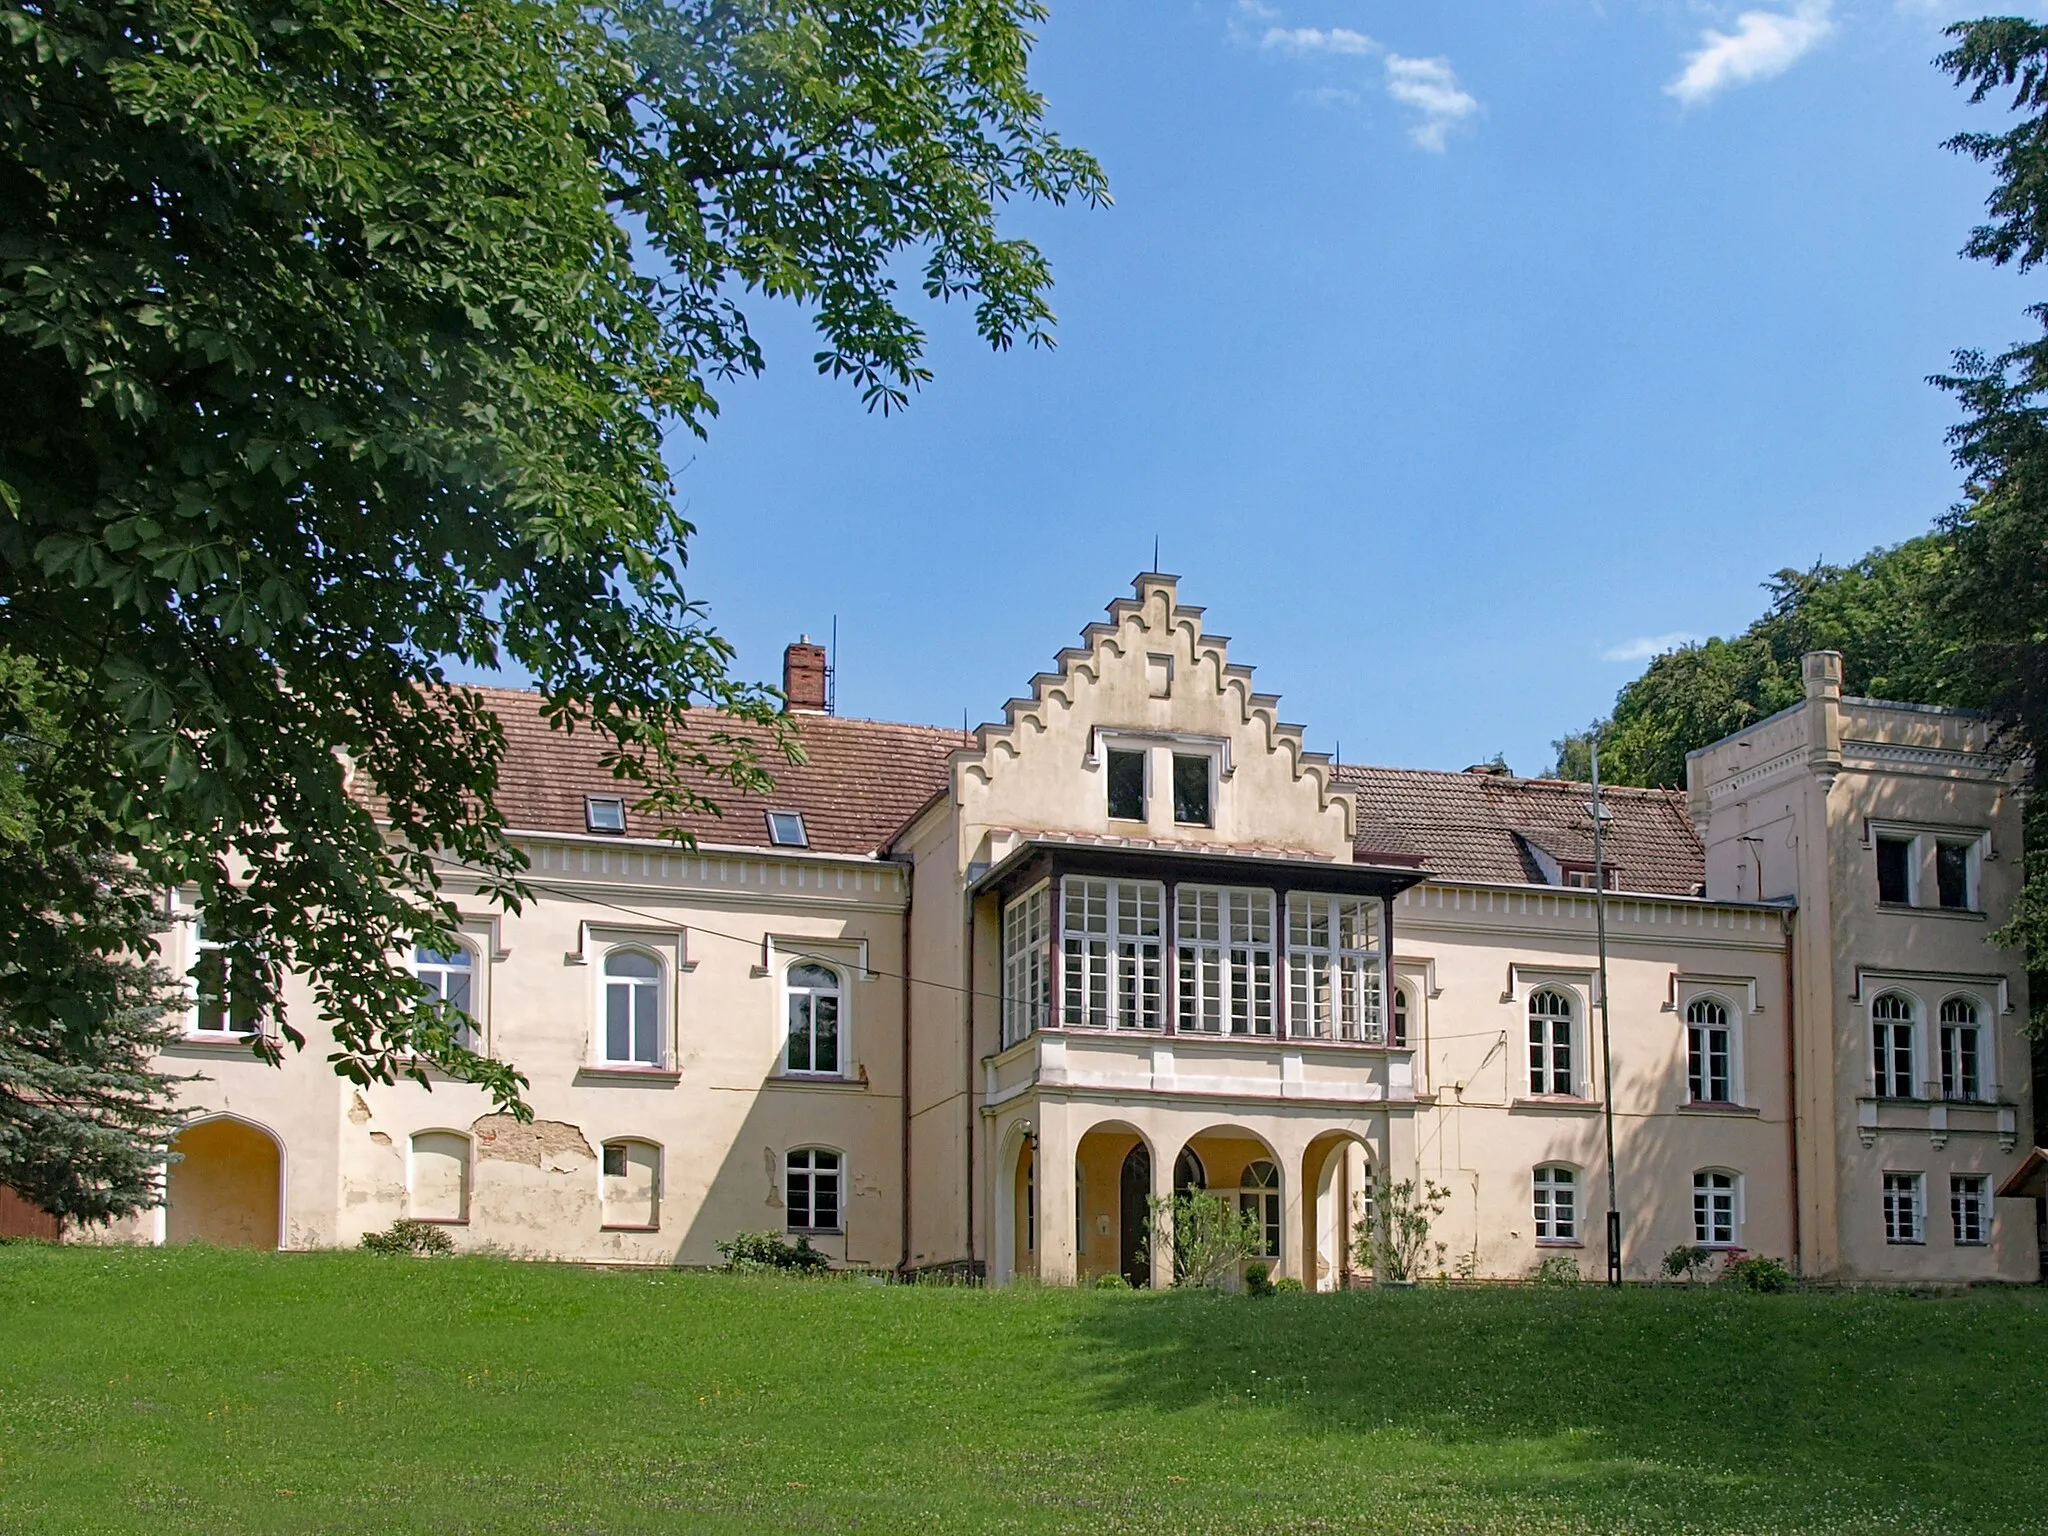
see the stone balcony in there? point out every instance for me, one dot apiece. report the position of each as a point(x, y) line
point(1237, 1068)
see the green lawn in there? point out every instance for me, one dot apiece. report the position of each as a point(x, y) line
point(188, 1390)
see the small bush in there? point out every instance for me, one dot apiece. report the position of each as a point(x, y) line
point(1258, 1279)
point(1757, 1272)
point(1688, 1261)
point(420, 1238)
point(754, 1253)
point(1287, 1285)
point(1111, 1282)
point(1557, 1269)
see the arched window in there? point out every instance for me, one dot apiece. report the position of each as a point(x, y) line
point(1550, 1044)
point(1188, 1172)
point(1557, 1204)
point(811, 1190)
point(450, 976)
point(1715, 1209)
point(629, 1186)
point(813, 1019)
point(1399, 1038)
point(437, 1180)
point(1962, 1050)
point(1709, 1052)
point(1891, 1045)
point(1259, 1198)
point(632, 1008)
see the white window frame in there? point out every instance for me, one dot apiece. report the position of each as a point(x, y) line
point(1546, 1181)
point(1112, 966)
point(662, 982)
point(1912, 1231)
point(623, 1143)
point(1144, 756)
point(1401, 1017)
point(1699, 1079)
point(198, 946)
point(1973, 863)
point(811, 1173)
point(591, 822)
point(840, 992)
point(1211, 766)
point(1263, 1204)
point(1226, 976)
point(1027, 964)
point(469, 1035)
point(1885, 1034)
point(1913, 857)
point(412, 1194)
point(1714, 1189)
point(1335, 988)
point(1543, 1053)
point(1975, 1188)
point(1948, 1035)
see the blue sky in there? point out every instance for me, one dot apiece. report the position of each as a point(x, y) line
point(1456, 353)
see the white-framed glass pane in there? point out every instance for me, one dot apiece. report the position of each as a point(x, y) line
point(1969, 1205)
point(1556, 1210)
point(814, 997)
point(1902, 1208)
point(1223, 949)
point(1550, 1044)
point(1333, 968)
point(1713, 1209)
point(1112, 953)
point(1891, 1036)
point(1027, 966)
point(632, 1000)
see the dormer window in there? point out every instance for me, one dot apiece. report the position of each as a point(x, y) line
point(1579, 877)
point(604, 813)
point(786, 830)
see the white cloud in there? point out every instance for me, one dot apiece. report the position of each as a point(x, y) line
point(1317, 40)
point(1647, 647)
point(1431, 87)
point(1763, 44)
point(1328, 96)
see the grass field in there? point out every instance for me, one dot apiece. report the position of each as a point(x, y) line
point(190, 1390)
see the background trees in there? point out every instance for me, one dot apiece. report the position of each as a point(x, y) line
point(338, 340)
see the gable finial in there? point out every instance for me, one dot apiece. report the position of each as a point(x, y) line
point(1155, 554)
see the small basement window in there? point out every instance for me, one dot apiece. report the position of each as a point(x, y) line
point(1895, 871)
point(1126, 786)
point(786, 830)
point(604, 813)
point(1190, 790)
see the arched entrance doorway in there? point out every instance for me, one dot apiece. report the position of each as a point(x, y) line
point(1134, 1196)
point(223, 1187)
point(1336, 1178)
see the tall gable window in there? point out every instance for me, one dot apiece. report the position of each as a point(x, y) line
point(1224, 944)
point(814, 1044)
point(1550, 1044)
point(1891, 1045)
point(1111, 936)
point(1027, 965)
point(1709, 1053)
point(1333, 968)
point(1962, 1050)
point(1126, 785)
point(632, 1009)
point(811, 1190)
point(1191, 790)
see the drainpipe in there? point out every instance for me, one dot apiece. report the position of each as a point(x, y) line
point(1792, 1085)
point(967, 1080)
point(909, 895)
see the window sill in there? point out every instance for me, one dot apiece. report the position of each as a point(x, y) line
point(613, 1227)
point(662, 1076)
point(1908, 909)
point(1712, 1107)
point(441, 1221)
point(238, 1044)
point(1559, 1242)
point(1905, 1242)
point(1550, 1104)
point(828, 1081)
point(815, 1231)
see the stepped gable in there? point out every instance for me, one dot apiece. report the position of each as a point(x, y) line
point(862, 779)
point(1154, 609)
point(1485, 827)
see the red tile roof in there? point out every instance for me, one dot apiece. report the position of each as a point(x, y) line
point(861, 781)
point(1483, 826)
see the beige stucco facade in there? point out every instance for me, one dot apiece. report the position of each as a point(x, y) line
point(1010, 1090)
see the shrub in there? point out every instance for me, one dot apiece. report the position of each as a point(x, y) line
point(1688, 1261)
point(1287, 1285)
point(406, 1235)
point(753, 1253)
point(1557, 1269)
point(1111, 1282)
point(1392, 1238)
point(1208, 1234)
point(1258, 1279)
point(1757, 1272)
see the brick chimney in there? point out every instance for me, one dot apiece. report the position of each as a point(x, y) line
point(803, 674)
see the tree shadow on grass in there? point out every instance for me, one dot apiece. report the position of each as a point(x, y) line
point(1646, 1409)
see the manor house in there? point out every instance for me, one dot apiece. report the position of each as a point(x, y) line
point(973, 1000)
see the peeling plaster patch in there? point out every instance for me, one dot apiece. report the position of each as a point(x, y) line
point(358, 1111)
point(542, 1141)
point(380, 1138)
point(774, 1166)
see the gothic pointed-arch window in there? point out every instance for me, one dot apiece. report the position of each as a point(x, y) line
point(1551, 1063)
